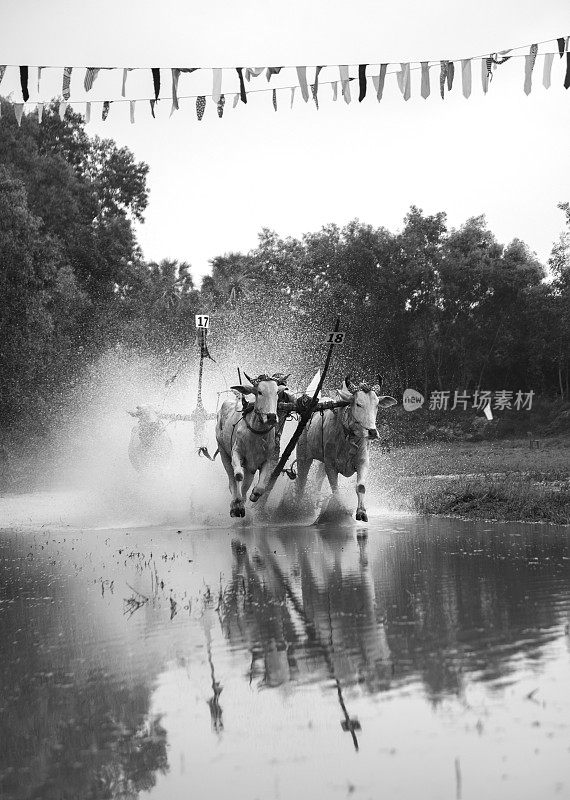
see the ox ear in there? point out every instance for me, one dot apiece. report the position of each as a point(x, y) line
point(280, 378)
point(385, 401)
point(348, 388)
point(244, 389)
point(282, 388)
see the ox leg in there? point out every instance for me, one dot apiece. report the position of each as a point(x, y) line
point(361, 474)
point(247, 481)
point(264, 474)
point(332, 475)
point(236, 505)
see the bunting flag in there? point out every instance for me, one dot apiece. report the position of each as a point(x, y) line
point(561, 46)
point(253, 72)
point(344, 82)
point(220, 105)
point(175, 77)
point(105, 111)
point(528, 68)
point(87, 112)
point(292, 95)
point(90, 75)
point(200, 106)
point(152, 105)
point(2, 71)
point(62, 109)
point(314, 92)
point(381, 81)
point(40, 109)
point(242, 93)
point(567, 76)
point(403, 77)
point(302, 78)
point(156, 81)
point(425, 87)
point(274, 98)
point(216, 85)
point(24, 83)
point(443, 77)
point(485, 72)
point(450, 74)
point(65, 89)
point(236, 100)
point(39, 77)
point(124, 84)
point(361, 82)
point(547, 70)
point(18, 111)
point(466, 77)
point(272, 71)
point(334, 90)
point(132, 110)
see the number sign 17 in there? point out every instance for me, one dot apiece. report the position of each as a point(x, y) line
point(202, 320)
point(335, 337)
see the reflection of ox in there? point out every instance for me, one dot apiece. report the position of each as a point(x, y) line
point(246, 438)
point(338, 438)
point(150, 446)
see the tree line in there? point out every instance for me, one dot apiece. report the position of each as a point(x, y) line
point(429, 307)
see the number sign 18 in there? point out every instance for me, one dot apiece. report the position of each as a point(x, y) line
point(335, 337)
point(202, 320)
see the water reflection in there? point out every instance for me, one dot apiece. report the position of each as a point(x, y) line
point(99, 703)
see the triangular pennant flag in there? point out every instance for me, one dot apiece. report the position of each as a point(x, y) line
point(292, 95)
point(450, 74)
point(2, 71)
point(24, 83)
point(314, 92)
point(62, 110)
point(312, 387)
point(65, 89)
point(302, 78)
point(252, 72)
point(132, 110)
point(105, 112)
point(40, 108)
point(236, 100)
point(528, 68)
point(381, 81)
point(124, 83)
point(152, 105)
point(334, 90)
point(242, 93)
point(175, 77)
point(547, 71)
point(39, 77)
point(317, 73)
point(344, 83)
point(220, 105)
point(156, 81)
point(361, 82)
point(425, 87)
point(272, 71)
point(200, 106)
point(466, 77)
point(87, 112)
point(18, 111)
point(561, 45)
point(90, 75)
point(404, 80)
point(275, 99)
point(567, 76)
point(485, 72)
point(216, 84)
point(443, 77)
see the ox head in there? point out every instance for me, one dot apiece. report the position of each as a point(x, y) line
point(365, 400)
point(267, 389)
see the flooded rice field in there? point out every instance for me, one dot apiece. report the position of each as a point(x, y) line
point(406, 658)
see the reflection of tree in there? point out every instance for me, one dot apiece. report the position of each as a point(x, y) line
point(70, 731)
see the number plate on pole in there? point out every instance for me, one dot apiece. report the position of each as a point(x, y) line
point(336, 337)
point(202, 320)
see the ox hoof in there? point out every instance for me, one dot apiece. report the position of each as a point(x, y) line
point(238, 476)
point(242, 511)
point(361, 516)
point(255, 495)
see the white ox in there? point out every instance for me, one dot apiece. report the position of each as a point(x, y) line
point(339, 439)
point(150, 446)
point(246, 438)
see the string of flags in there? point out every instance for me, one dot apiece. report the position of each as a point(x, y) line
point(450, 71)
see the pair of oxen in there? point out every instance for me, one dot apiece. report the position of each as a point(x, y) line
point(248, 432)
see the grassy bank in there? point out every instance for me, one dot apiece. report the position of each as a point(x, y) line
point(499, 480)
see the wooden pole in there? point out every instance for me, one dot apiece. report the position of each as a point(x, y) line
point(305, 414)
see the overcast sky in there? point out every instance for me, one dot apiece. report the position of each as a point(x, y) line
point(214, 184)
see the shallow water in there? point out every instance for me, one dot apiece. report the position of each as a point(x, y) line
point(403, 659)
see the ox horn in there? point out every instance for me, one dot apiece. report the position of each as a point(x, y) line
point(253, 381)
point(377, 386)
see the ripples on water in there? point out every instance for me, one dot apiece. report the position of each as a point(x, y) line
point(416, 659)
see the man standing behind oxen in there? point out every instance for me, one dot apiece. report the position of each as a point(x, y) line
point(246, 436)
